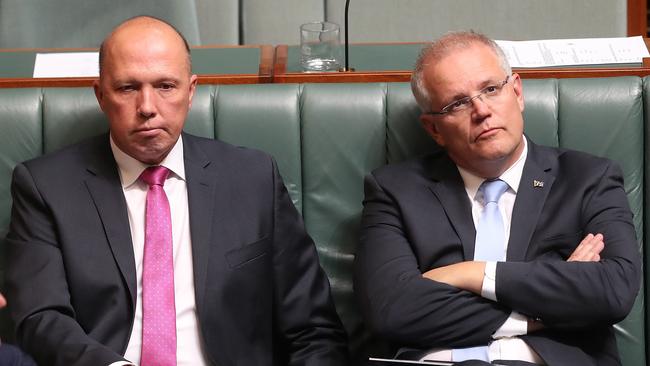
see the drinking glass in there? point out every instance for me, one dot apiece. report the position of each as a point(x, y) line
point(319, 46)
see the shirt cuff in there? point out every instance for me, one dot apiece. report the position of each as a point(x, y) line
point(122, 363)
point(515, 325)
point(488, 289)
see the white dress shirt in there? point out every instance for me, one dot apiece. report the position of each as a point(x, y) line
point(188, 337)
point(506, 344)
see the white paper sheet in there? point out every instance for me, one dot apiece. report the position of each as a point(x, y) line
point(68, 64)
point(571, 52)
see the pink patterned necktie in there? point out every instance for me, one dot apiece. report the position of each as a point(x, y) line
point(158, 307)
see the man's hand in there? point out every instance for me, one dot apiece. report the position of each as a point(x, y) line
point(589, 249)
point(463, 275)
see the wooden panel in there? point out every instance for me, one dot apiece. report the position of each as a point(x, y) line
point(637, 18)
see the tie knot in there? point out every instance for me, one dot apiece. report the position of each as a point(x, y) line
point(493, 189)
point(155, 175)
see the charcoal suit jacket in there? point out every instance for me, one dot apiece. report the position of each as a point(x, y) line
point(417, 216)
point(261, 295)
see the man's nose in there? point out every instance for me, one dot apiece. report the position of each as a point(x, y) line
point(480, 106)
point(146, 105)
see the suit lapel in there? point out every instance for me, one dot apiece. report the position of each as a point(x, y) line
point(449, 188)
point(534, 187)
point(105, 188)
point(200, 191)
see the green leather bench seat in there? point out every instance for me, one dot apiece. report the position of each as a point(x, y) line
point(326, 137)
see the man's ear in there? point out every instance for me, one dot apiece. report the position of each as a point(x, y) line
point(429, 124)
point(99, 94)
point(193, 81)
point(519, 90)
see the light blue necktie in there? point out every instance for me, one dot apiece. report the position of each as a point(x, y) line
point(489, 246)
point(490, 237)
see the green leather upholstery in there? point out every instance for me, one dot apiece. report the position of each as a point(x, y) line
point(202, 107)
point(326, 137)
point(343, 132)
point(276, 118)
point(604, 117)
point(405, 137)
point(68, 120)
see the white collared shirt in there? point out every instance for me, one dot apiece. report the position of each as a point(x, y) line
point(188, 337)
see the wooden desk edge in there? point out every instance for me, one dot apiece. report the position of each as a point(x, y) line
point(281, 57)
point(267, 56)
point(405, 76)
point(46, 82)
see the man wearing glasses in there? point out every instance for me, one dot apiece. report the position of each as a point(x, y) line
point(495, 249)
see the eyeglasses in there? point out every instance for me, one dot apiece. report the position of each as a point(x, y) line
point(458, 105)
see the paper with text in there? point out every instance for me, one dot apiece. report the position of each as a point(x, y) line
point(67, 64)
point(571, 52)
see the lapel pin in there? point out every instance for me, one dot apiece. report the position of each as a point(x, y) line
point(538, 183)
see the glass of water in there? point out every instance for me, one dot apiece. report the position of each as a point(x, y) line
point(320, 46)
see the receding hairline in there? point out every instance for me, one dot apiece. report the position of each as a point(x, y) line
point(442, 47)
point(138, 19)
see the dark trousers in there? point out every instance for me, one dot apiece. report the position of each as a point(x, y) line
point(11, 355)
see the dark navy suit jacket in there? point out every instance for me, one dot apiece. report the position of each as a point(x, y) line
point(417, 216)
point(261, 295)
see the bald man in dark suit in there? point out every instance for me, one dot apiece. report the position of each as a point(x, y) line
point(247, 285)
